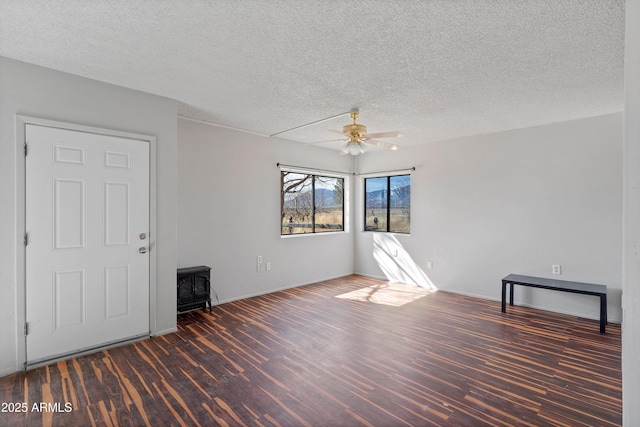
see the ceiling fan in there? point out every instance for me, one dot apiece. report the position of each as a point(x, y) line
point(357, 137)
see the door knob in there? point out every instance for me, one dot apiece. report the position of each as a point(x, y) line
point(142, 250)
point(143, 236)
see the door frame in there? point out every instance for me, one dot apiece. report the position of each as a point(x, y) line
point(20, 227)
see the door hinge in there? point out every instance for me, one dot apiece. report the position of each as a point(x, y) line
point(26, 328)
point(26, 239)
point(25, 149)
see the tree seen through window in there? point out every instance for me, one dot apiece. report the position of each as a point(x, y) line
point(311, 203)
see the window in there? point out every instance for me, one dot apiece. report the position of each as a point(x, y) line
point(387, 204)
point(311, 203)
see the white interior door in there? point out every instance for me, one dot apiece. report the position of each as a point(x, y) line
point(87, 224)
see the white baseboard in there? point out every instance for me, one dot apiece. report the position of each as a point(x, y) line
point(538, 307)
point(164, 332)
point(282, 288)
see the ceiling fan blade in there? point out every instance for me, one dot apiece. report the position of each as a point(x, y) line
point(382, 144)
point(328, 140)
point(394, 134)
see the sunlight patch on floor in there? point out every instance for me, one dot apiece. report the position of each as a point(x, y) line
point(394, 294)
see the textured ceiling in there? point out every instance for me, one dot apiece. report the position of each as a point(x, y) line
point(432, 69)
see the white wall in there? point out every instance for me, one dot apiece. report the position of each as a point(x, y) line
point(482, 207)
point(631, 244)
point(514, 202)
point(229, 212)
point(40, 92)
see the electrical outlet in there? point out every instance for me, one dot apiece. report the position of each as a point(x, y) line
point(429, 265)
point(268, 266)
point(259, 259)
point(556, 269)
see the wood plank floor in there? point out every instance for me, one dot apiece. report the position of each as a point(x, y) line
point(377, 357)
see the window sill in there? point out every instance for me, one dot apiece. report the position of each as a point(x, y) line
point(326, 233)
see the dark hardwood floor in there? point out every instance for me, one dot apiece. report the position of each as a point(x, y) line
point(377, 357)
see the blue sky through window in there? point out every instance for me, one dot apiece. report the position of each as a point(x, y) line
point(376, 184)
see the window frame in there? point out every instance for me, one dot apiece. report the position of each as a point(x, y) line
point(314, 174)
point(388, 204)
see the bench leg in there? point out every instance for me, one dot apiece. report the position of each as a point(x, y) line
point(603, 313)
point(511, 294)
point(504, 297)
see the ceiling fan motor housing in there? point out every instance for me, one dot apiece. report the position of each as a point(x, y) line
point(356, 132)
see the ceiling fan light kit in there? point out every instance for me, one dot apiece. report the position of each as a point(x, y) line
point(353, 148)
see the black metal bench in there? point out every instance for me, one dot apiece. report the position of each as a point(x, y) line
point(557, 285)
